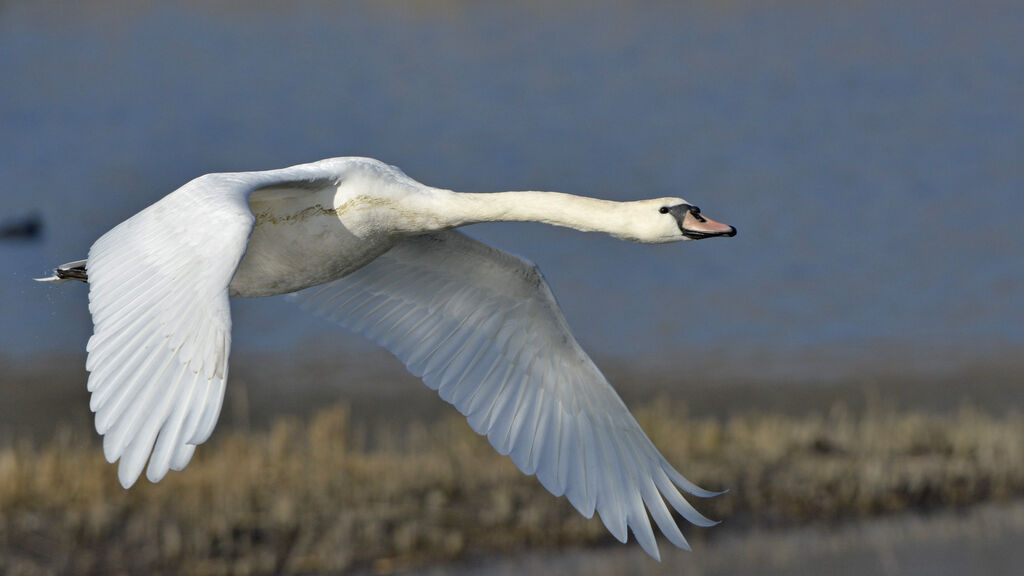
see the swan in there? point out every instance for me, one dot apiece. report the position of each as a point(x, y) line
point(360, 242)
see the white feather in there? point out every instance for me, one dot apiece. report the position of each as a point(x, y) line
point(490, 338)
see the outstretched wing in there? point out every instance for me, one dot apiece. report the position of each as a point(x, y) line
point(158, 294)
point(482, 328)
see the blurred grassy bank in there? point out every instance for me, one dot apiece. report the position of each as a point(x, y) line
point(319, 496)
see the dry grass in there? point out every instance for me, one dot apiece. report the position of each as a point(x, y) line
point(313, 498)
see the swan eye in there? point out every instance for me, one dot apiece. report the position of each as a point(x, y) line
point(663, 210)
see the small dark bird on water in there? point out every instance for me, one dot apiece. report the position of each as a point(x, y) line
point(29, 227)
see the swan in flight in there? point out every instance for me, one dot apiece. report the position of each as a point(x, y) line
point(361, 243)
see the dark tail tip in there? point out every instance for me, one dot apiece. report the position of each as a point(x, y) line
point(76, 273)
point(66, 272)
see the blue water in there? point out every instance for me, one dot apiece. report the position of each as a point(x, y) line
point(869, 153)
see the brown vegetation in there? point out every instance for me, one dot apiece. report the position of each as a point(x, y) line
point(322, 498)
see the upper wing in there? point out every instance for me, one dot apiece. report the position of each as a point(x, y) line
point(158, 357)
point(482, 327)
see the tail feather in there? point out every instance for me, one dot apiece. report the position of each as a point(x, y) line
point(67, 272)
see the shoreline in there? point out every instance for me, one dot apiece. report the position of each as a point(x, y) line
point(979, 539)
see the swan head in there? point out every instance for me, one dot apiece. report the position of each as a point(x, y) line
point(674, 220)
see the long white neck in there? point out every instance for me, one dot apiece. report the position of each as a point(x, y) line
point(453, 209)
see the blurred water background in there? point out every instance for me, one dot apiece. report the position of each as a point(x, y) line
point(868, 152)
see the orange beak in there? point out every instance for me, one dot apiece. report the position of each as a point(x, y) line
point(695, 225)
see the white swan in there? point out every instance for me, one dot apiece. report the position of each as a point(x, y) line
point(360, 242)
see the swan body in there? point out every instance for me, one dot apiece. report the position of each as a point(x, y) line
point(358, 241)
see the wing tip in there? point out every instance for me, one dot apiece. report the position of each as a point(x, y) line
point(651, 549)
point(156, 473)
point(702, 493)
point(127, 477)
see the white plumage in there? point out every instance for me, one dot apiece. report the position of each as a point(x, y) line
point(363, 244)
